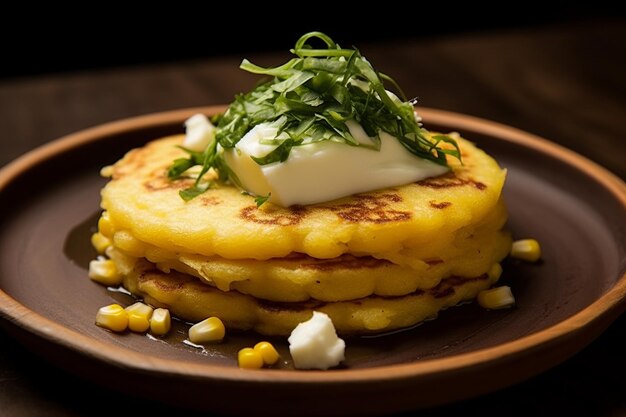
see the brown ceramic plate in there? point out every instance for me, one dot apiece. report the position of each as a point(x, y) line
point(576, 209)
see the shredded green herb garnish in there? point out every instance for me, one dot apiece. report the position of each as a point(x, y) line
point(309, 99)
point(262, 199)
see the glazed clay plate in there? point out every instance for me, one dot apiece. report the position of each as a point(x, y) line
point(50, 204)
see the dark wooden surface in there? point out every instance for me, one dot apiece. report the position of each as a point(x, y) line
point(566, 83)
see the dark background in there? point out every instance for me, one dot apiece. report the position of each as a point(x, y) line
point(108, 38)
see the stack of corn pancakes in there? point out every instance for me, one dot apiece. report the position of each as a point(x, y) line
point(373, 262)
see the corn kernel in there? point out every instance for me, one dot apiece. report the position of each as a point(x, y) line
point(496, 298)
point(107, 171)
point(105, 226)
point(104, 271)
point(112, 317)
point(209, 330)
point(495, 272)
point(160, 322)
point(139, 315)
point(526, 250)
point(249, 358)
point(100, 242)
point(268, 352)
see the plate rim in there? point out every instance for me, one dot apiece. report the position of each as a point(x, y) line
point(608, 306)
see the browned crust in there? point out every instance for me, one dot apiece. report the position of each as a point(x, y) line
point(439, 206)
point(450, 180)
point(345, 261)
point(443, 289)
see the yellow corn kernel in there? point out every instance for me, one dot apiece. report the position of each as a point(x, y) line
point(160, 322)
point(268, 352)
point(249, 358)
point(105, 226)
point(139, 315)
point(526, 250)
point(209, 330)
point(107, 171)
point(496, 298)
point(100, 242)
point(104, 271)
point(495, 272)
point(112, 317)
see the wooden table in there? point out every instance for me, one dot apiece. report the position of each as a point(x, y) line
point(566, 83)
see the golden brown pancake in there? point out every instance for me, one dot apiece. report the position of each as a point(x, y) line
point(192, 300)
point(299, 277)
point(400, 224)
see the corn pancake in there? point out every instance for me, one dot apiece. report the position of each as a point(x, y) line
point(344, 278)
point(192, 300)
point(299, 277)
point(404, 225)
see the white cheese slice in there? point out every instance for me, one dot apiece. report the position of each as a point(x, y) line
point(323, 171)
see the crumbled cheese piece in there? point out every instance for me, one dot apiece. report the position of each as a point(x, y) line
point(314, 344)
point(199, 133)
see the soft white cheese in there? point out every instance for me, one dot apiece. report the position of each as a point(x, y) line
point(314, 344)
point(199, 133)
point(323, 171)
